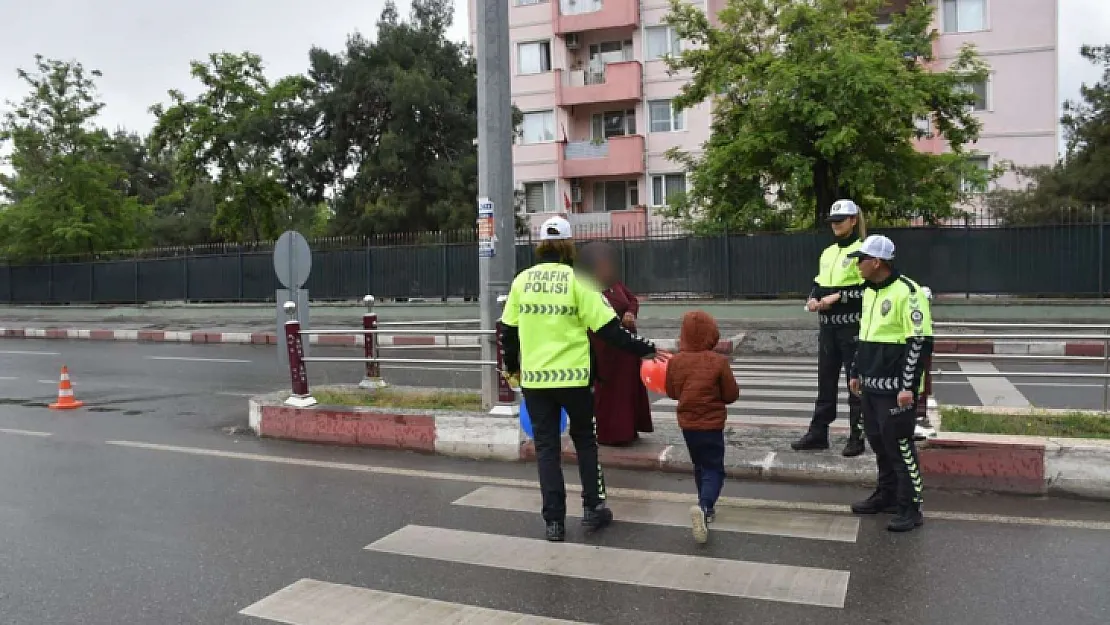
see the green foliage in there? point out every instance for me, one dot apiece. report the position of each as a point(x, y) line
point(233, 134)
point(814, 102)
point(67, 193)
point(393, 127)
point(1077, 189)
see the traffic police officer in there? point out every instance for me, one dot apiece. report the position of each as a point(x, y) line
point(836, 295)
point(546, 352)
point(895, 341)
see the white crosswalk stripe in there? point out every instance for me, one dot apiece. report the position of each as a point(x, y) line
point(772, 387)
point(654, 569)
point(317, 602)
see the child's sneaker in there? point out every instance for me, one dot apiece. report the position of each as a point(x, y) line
point(698, 524)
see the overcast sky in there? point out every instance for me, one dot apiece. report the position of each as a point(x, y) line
point(144, 46)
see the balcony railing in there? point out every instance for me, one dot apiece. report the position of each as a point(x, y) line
point(617, 156)
point(585, 15)
point(615, 82)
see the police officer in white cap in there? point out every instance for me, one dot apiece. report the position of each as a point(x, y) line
point(836, 297)
point(895, 341)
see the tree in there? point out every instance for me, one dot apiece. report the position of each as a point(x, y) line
point(237, 135)
point(65, 195)
point(813, 102)
point(1077, 189)
point(393, 129)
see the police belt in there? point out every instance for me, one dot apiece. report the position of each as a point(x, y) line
point(839, 320)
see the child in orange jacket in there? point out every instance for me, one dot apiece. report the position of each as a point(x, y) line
point(702, 382)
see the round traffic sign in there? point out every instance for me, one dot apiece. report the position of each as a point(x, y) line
point(292, 259)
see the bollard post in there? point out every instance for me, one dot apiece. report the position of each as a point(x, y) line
point(298, 374)
point(506, 404)
point(370, 346)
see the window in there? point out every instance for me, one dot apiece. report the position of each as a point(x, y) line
point(661, 41)
point(616, 195)
point(965, 16)
point(981, 91)
point(610, 52)
point(613, 124)
point(974, 186)
point(924, 125)
point(663, 117)
point(534, 57)
point(666, 186)
point(540, 197)
point(538, 127)
point(578, 7)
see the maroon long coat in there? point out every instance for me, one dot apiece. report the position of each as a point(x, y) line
point(620, 399)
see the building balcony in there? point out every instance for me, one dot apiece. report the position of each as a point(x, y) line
point(632, 223)
point(615, 82)
point(586, 15)
point(617, 156)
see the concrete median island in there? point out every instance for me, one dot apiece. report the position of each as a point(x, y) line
point(757, 448)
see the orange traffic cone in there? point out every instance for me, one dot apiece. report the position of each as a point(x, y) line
point(66, 401)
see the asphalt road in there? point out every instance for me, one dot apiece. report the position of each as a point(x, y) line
point(143, 510)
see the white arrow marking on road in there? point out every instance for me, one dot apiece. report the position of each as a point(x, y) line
point(184, 359)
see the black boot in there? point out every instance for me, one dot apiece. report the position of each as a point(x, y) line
point(875, 504)
point(597, 518)
point(556, 531)
point(854, 447)
point(811, 441)
point(908, 518)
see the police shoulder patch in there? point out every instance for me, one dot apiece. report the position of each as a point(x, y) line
point(885, 308)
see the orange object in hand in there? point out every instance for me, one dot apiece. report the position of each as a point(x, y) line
point(654, 375)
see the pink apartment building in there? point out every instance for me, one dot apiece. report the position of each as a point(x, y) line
point(590, 78)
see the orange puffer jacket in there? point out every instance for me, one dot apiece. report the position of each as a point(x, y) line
point(699, 378)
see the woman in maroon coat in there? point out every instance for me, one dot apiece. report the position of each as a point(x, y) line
point(620, 399)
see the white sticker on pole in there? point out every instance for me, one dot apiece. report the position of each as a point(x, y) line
point(487, 238)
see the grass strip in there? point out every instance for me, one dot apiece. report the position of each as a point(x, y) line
point(395, 398)
point(1068, 424)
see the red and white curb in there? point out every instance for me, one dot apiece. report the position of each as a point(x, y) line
point(270, 338)
point(1031, 348)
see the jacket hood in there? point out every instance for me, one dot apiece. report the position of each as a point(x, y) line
point(699, 332)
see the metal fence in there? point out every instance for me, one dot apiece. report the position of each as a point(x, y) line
point(1062, 260)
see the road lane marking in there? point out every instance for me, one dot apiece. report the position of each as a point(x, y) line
point(993, 391)
point(630, 493)
point(312, 602)
point(655, 569)
point(745, 520)
point(24, 353)
point(186, 359)
point(25, 432)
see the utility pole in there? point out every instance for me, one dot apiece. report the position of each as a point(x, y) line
point(496, 216)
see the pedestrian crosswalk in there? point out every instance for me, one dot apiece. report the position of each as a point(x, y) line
point(772, 387)
point(688, 570)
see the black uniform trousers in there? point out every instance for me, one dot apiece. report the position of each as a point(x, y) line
point(889, 430)
point(545, 407)
point(837, 350)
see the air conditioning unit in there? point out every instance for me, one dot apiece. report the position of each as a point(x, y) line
point(572, 41)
